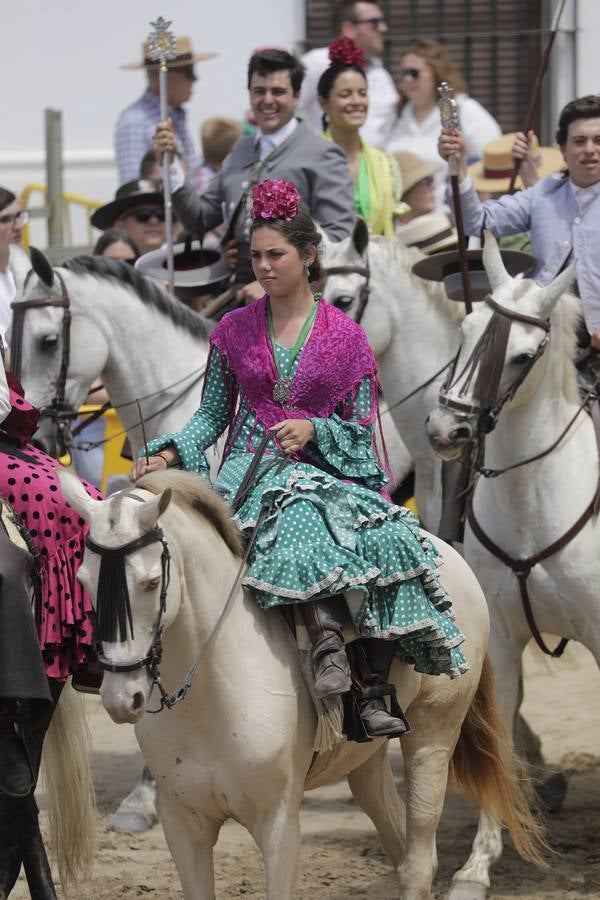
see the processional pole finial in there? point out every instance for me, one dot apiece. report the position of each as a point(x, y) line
point(162, 48)
point(450, 119)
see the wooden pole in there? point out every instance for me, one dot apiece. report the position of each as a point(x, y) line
point(537, 90)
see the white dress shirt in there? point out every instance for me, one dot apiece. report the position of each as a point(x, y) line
point(383, 97)
point(269, 142)
point(421, 138)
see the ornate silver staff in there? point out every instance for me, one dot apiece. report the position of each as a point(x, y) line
point(161, 47)
point(449, 117)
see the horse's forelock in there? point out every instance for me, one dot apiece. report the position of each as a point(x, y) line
point(192, 491)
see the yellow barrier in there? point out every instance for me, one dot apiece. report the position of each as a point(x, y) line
point(69, 199)
point(113, 463)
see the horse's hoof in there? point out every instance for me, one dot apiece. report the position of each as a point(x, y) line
point(467, 890)
point(551, 793)
point(137, 811)
point(132, 821)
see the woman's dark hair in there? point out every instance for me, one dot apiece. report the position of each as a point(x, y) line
point(301, 233)
point(265, 62)
point(6, 197)
point(113, 236)
point(335, 68)
point(582, 108)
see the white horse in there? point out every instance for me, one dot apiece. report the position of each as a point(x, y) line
point(241, 744)
point(413, 329)
point(125, 330)
point(528, 508)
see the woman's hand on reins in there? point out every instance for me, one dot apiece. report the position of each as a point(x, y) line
point(293, 434)
point(141, 467)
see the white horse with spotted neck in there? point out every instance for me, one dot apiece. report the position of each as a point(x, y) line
point(547, 454)
point(240, 745)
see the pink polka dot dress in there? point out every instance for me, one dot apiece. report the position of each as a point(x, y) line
point(28, 482)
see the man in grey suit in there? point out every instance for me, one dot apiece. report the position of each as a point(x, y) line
point(562, 212)
point(283, 147)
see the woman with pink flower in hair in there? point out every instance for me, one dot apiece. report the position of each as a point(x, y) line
point(299, 373)
point(343, 97)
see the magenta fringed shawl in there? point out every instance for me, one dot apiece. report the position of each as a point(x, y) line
point(335, 359)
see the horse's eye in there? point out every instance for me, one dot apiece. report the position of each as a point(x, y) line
point(49, 342)
point(343, 301)
point(521, 359)
point(152, 584)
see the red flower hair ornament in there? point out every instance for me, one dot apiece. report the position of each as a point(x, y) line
point(344, 52)
point(277, 199)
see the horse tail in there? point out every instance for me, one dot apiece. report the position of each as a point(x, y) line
point(70, 790)
point(484, 767)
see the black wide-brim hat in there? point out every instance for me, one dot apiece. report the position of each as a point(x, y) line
point(194, 266)
point(446, 267)
point(141, 192)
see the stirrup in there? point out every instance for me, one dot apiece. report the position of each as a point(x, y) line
point(370, 703)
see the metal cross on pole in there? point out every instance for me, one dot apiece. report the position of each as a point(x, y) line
point(161, 47)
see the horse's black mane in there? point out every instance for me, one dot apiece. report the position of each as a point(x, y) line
point(146, 290)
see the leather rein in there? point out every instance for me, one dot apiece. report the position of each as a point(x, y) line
point(487, 417)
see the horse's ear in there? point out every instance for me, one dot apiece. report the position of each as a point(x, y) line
point(154, 508)
point(75, 494)
point(41, 266)
point(493, 262)
point(556, 289)
point(360, 236)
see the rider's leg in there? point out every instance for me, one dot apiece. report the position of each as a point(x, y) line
point(324, 622)
point(375, 662)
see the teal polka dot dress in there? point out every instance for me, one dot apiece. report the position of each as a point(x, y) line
point(327, 528)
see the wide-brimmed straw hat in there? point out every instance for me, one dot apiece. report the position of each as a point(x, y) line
point(413, 170)
point(429, 233)
point(195, 266)
point(185, 56)
point(494, 171)
point(446, 267)
point(141, 192)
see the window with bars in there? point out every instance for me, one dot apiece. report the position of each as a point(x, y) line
point(495, 43)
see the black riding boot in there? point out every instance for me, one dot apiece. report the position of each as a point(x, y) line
point(324, 622)
point(378, 721)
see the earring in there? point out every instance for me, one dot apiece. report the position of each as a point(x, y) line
point(307, 268)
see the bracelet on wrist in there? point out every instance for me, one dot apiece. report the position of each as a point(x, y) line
point(166, 458)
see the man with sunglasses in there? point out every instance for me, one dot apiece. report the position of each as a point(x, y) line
point(136, 124)
point(139, 209)
point(365, 24)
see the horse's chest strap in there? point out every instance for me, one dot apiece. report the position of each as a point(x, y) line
point(523, 567)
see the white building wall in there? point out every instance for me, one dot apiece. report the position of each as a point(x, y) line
point(66, 54)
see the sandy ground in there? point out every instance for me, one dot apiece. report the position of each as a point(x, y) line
point(341, 855)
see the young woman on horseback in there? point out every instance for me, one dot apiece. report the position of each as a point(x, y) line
point(300, 371)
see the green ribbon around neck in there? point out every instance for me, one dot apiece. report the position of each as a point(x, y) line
point(299, 340)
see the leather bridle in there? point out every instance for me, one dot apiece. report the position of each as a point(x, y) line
point(487, 412)
point(59, 412)
point(365, 288)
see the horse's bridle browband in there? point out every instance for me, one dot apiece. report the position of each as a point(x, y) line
point(487, 414)
point(60, 413)
point(153, 657)
point(365, 290)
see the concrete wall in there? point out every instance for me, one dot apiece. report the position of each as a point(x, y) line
point(66, 54)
